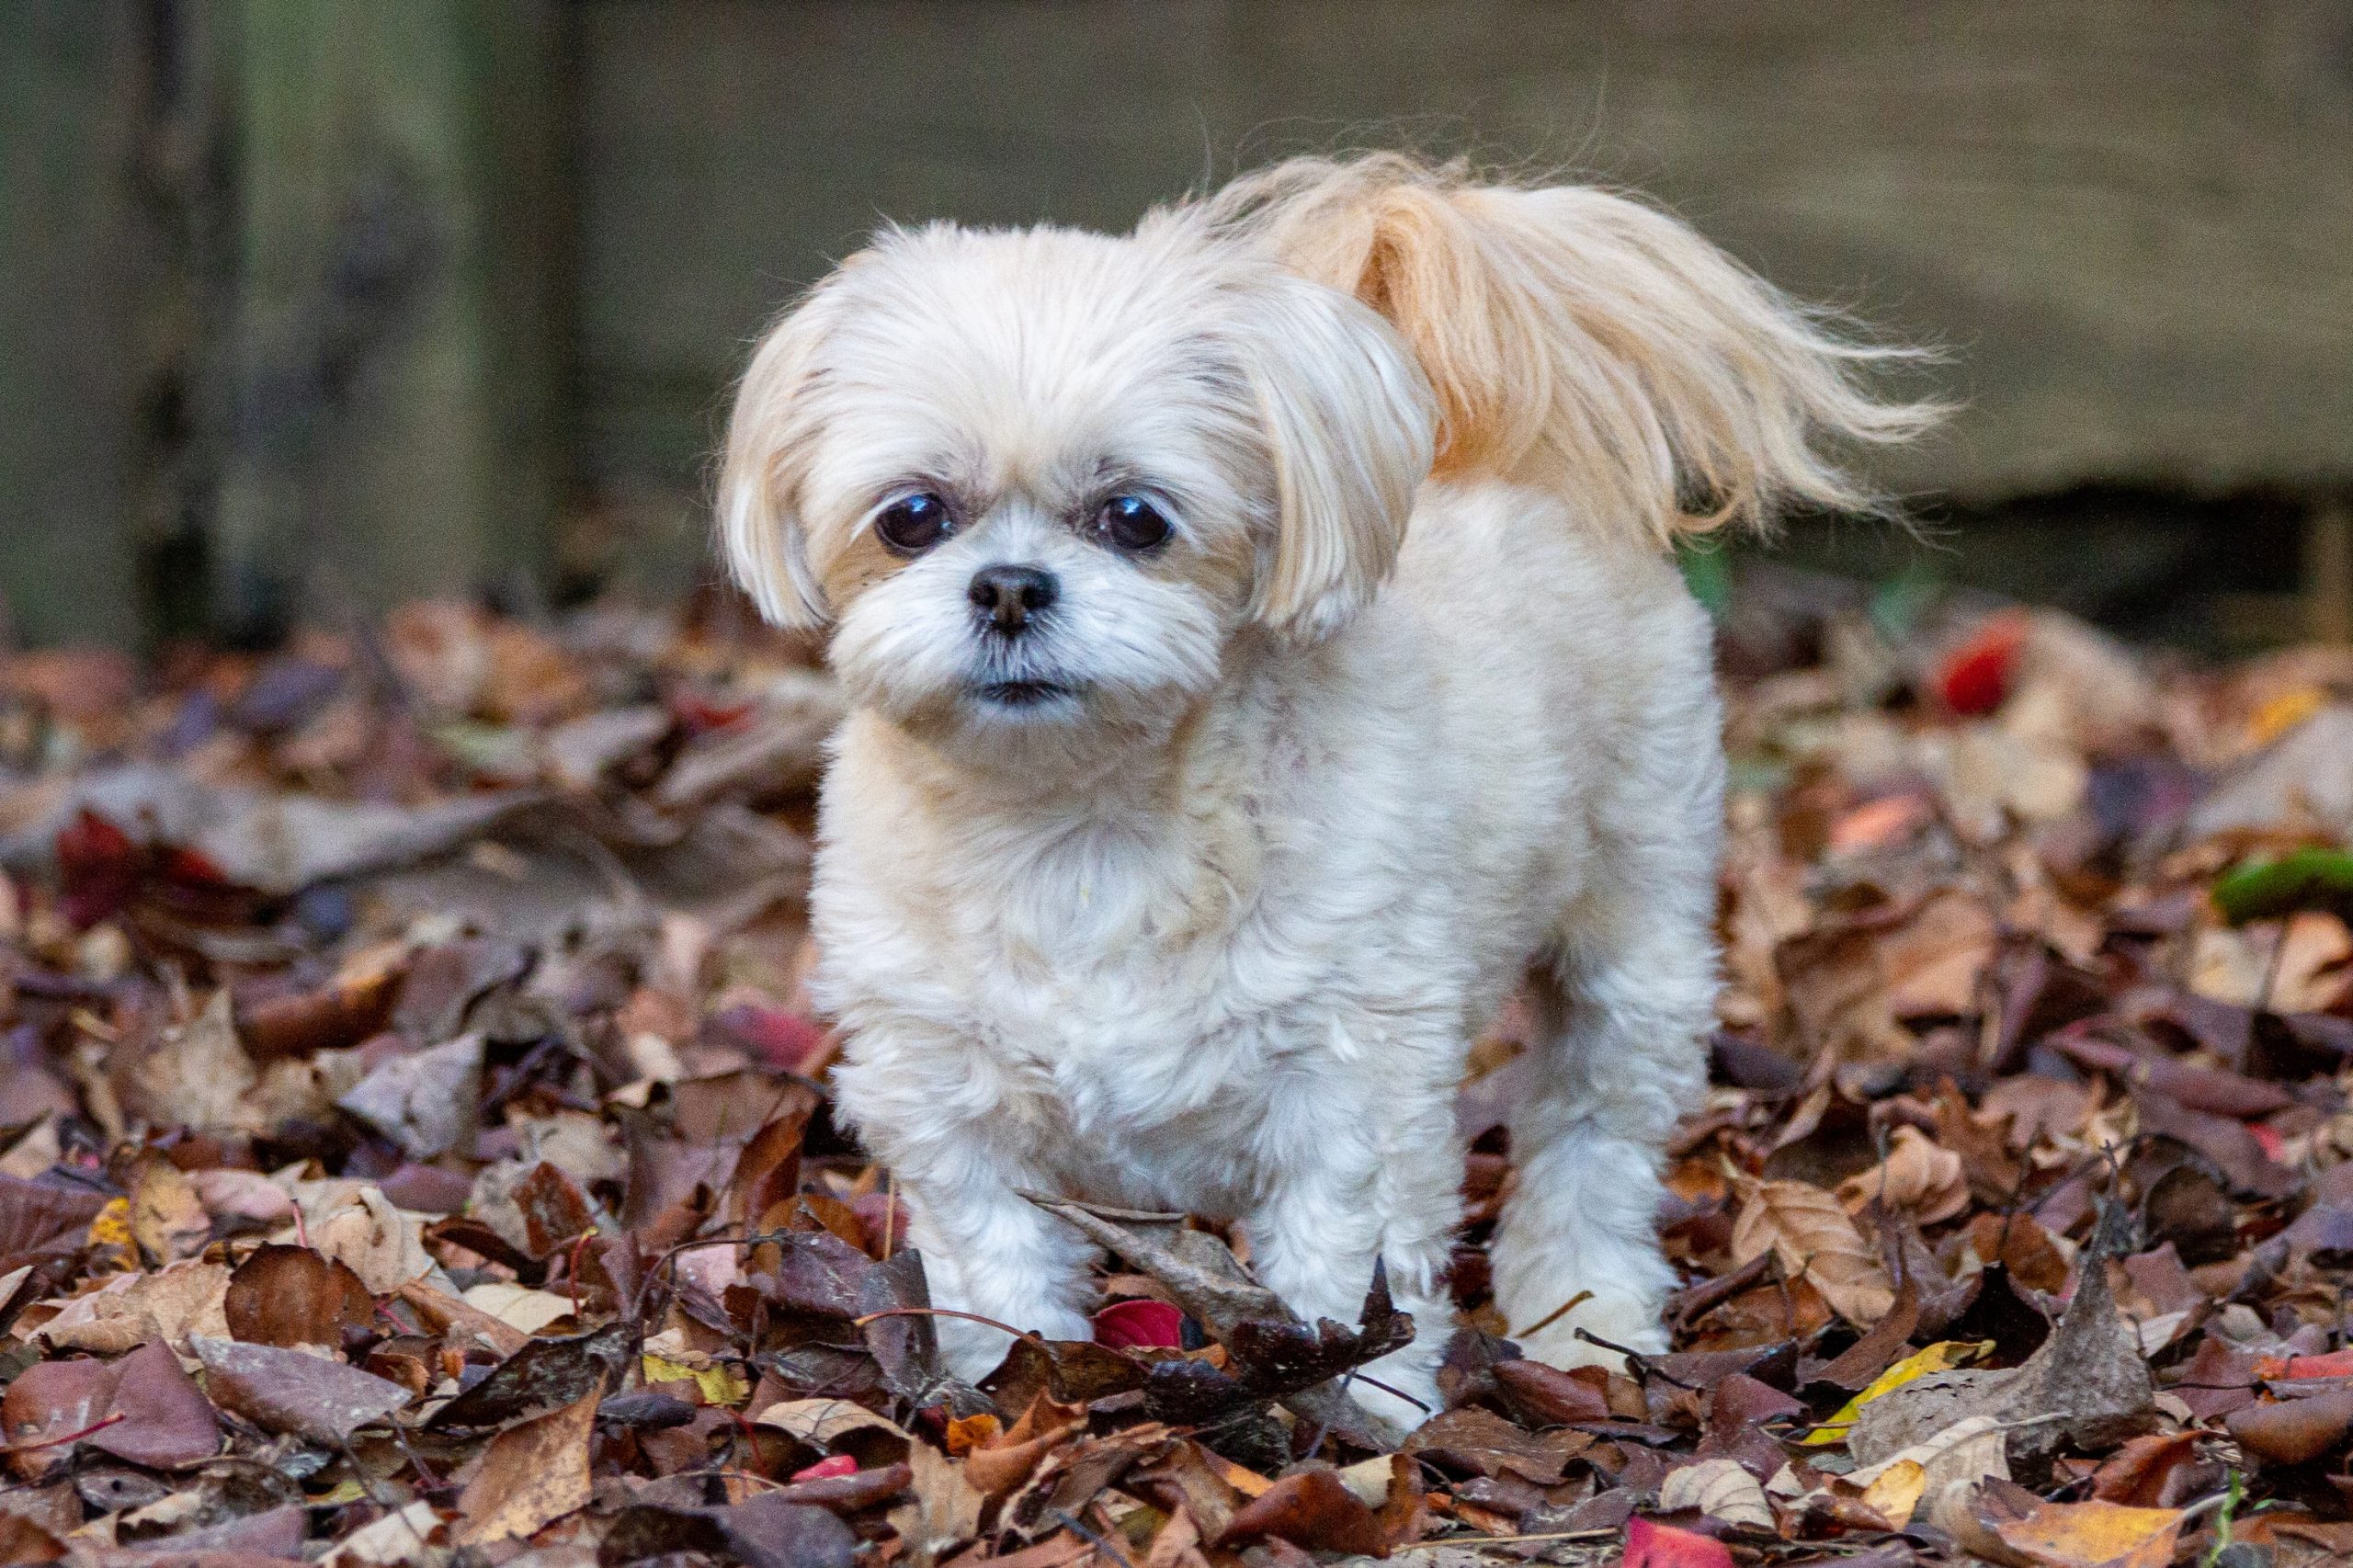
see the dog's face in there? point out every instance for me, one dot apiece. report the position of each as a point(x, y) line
point(1042, 480)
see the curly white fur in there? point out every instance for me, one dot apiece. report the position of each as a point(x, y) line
point(1362, 748)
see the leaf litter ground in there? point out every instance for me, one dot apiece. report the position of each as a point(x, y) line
point(415, 1146)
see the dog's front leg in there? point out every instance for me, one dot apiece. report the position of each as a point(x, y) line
point(991, 1252)
point(1360, 1177)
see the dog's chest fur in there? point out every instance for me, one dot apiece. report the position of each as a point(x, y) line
point(1140, 997)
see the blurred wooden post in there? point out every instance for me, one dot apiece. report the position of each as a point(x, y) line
point(388, 415)
point(2328, 570)
point(69, 279)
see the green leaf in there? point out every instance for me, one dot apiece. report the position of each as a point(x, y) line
point(2265, 890)
point(1707, 572)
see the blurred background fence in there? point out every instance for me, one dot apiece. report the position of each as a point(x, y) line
point(307, 306)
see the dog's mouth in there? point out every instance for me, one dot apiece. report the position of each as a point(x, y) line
point(1023, 693)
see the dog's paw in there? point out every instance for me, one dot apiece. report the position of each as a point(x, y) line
point(1401, 1386)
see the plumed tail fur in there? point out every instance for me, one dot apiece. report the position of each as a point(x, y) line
point(1579, 340)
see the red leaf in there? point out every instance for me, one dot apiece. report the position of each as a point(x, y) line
point(1975, 676)
point(1652, 1545)
point(786, 1042)
point(191, 869)
point(91, 843)
point(701, 713)
point(97, 866)
point(827, 1468)
point(1142, 1325)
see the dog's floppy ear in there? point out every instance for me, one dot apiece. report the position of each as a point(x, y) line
point(768, 437)
point(1348, 419)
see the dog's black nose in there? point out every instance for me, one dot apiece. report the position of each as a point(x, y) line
point(1009, 595)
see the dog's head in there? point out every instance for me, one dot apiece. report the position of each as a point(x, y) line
point(1042, 480)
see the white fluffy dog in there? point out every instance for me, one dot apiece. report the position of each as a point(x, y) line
point(1263, 654)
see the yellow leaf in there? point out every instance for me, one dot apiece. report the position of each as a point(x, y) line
point(720, 1385)
point(2282, 713)
point(1941, 1356)
point(969, 1432)
point(1895, 1492)
point(112, 1226)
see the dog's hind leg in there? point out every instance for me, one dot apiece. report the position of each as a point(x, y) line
point(1623, 1007)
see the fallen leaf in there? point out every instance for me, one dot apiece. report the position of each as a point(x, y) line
point(946, 1512)
point(1652, 1545)
point(2094, 1535)
point(1941, 1356)
point(539, 1376)
point(1811, 1237)
point(405, 1535)
point(1894, 1489)
point(1480, 1441)
point(2141, 1471)
point(424, 1102)
point(1196, 1270)
point(2088, 1385)
point(293, 1391)
point(1722, 1489)
point(718, 1384)
point(141, 1408)
point(132, 1309)
point(2291, 1431)
point(194, 1075)
point(1309, 1509)
point(519, 1306)
point(272, 841)
point(1128, 1325)
point(1916, 1178)
point(358, 1226)
point(1962, 1455)
point(289, 1296)
point(533, 1472)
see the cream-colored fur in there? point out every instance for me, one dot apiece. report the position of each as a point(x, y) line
point(1210, 925)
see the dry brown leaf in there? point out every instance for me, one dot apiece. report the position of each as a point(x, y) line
point(946, 1512)
point(2088, 1385)
point(294, 1390)
point(197, 1075)
point(2093, 1535)
point(132, 1309)
point(168, 1220)
point(1721, 1489)
point(1936, 963)
point(1916, 1178)
point(533, 1474)
point(1962, 1455)
point(1309, 1509)
point(289, 1296)
point(1812, 1237)
point(356, 1225)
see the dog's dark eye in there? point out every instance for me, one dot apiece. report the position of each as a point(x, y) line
point(913, 523)
point(1130, 523)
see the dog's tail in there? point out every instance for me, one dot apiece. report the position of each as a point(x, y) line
point(1580, 340)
